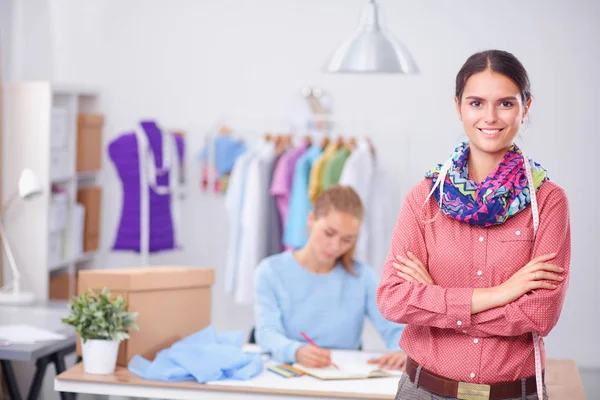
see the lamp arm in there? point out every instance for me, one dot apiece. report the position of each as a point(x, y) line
point(6, 205)
point(10, 256)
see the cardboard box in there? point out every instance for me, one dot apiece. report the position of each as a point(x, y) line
point(172, 302)
point(89, 142)
point(91, 199)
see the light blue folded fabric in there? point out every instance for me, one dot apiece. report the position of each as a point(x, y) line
point(203, 356)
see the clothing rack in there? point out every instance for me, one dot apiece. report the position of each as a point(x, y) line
point(253, 128)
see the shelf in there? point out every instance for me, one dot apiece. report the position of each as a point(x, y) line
point(71, 89)
point(62, 179)
point(85, 257)
point(60, 265)
point(88, 174)
point(79, 259)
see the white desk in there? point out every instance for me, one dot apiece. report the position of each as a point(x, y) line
point(266, 385)
point(562, 379)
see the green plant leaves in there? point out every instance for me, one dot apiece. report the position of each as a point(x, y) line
point(95, 316)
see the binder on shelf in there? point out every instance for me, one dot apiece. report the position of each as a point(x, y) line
point(91, 199)
point(89, 142)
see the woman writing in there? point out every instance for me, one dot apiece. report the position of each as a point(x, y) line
point(321, 291)
point(479, 272)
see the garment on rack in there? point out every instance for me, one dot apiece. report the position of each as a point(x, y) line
point(358, 172)
point(294, 229)
point(333, 169)
point(205, 356)
point(274, 225)
point(316, 172)
point(380, 225)
point(283, 177)
point(233, 205)
point(364, 175)
point(217, 159)
point(148, 163)
point(254, 221)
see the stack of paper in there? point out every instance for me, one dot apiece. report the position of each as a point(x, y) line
point(27, 334)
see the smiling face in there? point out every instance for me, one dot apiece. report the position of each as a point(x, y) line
point(492, 111)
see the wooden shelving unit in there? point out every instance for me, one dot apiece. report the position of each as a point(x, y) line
point(41, 121)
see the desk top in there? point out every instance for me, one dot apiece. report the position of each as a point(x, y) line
point(40, 315)
point(562, 377)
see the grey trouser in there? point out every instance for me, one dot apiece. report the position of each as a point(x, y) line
point(409, 391)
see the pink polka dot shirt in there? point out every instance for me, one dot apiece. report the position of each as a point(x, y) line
point(441, 334)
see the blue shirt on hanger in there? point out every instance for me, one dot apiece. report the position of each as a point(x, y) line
point(226, 151)
point(294, 231)
point(330, 308)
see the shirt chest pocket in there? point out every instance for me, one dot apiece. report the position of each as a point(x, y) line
point(517, 245)
point(517, 236)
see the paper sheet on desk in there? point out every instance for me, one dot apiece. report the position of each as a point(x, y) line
point(27, 334)
point(349, 371)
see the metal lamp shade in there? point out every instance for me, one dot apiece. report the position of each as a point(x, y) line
point(371, 49)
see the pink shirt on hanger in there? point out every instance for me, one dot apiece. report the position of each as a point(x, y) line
point(281, 185)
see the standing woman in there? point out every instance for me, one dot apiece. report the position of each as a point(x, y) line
point(480, 285)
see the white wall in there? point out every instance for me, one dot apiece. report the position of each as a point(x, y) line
point(5, 28)
point(189, 61)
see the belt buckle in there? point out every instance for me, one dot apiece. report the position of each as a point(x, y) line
point(473, 391)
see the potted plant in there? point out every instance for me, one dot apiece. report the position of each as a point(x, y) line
point(102, 323)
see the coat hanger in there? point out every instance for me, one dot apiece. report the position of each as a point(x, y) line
point(351, 144)
point(287, 140)
point(308, 140)
point(371, 146)
point(224, 130)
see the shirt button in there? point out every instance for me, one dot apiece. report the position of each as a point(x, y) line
point(517, 233)
point(464, 331)
point(475, 341)
point(472, 375)
point(481, 238)
point(480, 272)
point(459, 323)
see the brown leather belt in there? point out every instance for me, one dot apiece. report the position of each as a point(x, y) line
point(467, 391)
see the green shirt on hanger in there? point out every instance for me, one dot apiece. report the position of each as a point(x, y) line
point(333, 169)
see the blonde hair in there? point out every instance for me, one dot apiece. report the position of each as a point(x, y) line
point(343, 199)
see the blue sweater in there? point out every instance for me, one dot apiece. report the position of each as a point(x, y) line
point(330, 308)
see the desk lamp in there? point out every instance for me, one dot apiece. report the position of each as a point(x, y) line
point(29, 187)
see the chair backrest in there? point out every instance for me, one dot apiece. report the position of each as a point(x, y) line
point(252, 338)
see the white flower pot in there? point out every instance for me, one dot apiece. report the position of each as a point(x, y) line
point(99, 356)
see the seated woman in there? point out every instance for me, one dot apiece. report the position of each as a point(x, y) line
point(320, 290)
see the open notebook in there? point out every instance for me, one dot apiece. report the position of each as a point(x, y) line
point(349, 371)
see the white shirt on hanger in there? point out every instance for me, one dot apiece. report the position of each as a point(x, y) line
point(253, 241)
point(234, 198)
point(381, 221)
point(358, 173)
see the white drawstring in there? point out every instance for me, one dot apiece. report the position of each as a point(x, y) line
point(148, 173)
point(440, 181)
point(536, 223)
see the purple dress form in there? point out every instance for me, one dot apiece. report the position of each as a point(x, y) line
point(123, 151)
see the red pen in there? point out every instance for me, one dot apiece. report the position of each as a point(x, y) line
point(309, 340)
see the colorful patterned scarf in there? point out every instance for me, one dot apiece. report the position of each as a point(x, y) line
point(500, 196)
